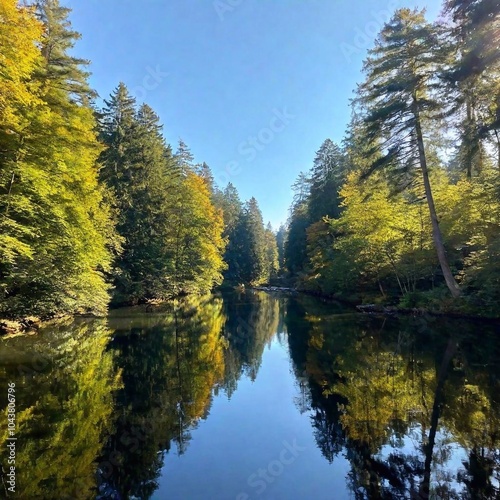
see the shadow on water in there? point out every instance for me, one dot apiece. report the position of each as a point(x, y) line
point(412, 403)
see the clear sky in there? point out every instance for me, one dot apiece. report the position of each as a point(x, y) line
point(252, 86)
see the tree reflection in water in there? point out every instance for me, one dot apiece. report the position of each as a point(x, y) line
point(412, 403)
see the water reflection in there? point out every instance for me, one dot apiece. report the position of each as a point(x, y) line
point(64, 405)
point(412, 404)
point(172, 365)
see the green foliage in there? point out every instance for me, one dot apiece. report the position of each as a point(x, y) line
point(171, 230)
point(56, 225)
point(376, 237)
point(66, 382)
point(295, 252)
point(251, 240)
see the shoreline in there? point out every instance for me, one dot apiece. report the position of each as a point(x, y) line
point(30, 325)
point(380, 309)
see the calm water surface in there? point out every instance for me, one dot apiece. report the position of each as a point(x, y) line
point(252, 395)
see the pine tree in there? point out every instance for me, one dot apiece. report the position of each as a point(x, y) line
point(472, 78)
point(398, 99)
point(326, 178)
point(251, 238)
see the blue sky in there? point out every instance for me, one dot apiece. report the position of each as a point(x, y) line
point(253, 87)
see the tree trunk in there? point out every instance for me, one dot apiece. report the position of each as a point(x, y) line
point(436, 410)
point(436, 231)
point(468, 139)
point(498, 149)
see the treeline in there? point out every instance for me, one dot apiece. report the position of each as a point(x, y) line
point(94, 204)
point(408, 206)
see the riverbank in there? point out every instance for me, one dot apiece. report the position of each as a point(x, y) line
point(30, 325)
point(447, 308)
point(408, 306)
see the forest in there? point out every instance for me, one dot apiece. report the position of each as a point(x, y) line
point(98, 209)
point(96, 206)
point(406, 209)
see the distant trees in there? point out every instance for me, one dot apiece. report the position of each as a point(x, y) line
point(316, 197)
point(172, 234)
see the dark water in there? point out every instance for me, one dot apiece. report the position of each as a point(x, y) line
point(254, 396)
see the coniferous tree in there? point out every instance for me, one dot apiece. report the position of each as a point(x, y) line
point(272, 262)
point(326, 178)
point(172, 232)
point(184, 158)
point(252, 243)
point(295, 252)
point(295, 249)
point(281, 236)
point(472, 78)
point(52, 202)
point(398, 99)
point(230, 204)
point(61, 69)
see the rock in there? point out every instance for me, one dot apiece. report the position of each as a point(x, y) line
point(30, 323)
point(7, 327)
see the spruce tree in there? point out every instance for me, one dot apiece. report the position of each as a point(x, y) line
point(230, 204)
point(398, 98)
point(326, 178)
point(138, 170)
point(250, 235)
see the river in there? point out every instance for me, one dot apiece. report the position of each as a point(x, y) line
point(254, 395)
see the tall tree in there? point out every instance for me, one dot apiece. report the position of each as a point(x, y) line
point(229, 202)
point(281, 236)
point(62, 69)
point(139, 169)
point(252, 241)
point(295, 253)
point(473, 88)
point(51, 200)
point(326, 179)
point(196, 240)
point(398, 96)
point(272, 263)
